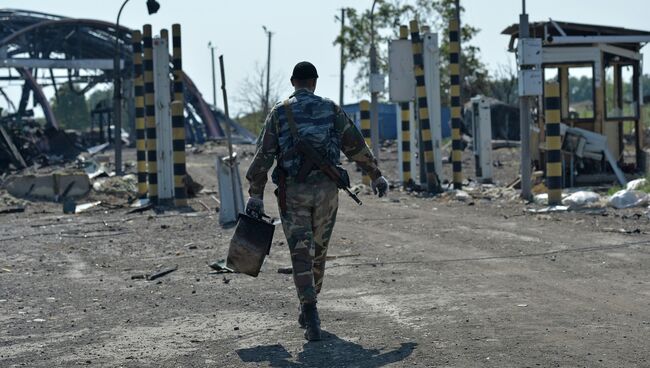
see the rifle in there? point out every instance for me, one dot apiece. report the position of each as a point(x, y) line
point(313, 158)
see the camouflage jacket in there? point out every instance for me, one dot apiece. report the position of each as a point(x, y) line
point(308, 109)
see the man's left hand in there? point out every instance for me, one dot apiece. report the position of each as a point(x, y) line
point(380, 186)
point(255, 207)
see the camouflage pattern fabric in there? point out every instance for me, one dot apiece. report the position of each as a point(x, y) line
point(308, 224)
point(314, 118)
point(310, 206)
point(268, 144)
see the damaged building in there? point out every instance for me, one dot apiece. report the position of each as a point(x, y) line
point(41, 51)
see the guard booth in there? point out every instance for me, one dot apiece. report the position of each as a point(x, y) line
point(608, 61)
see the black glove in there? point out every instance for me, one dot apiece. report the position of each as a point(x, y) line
point(380, 186)
point(255, 207)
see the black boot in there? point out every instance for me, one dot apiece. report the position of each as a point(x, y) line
point(301, 317)
point(312, 322)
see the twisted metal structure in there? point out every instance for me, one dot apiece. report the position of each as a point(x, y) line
point(47, 50)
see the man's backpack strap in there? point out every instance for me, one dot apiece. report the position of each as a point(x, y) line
point(292, 123)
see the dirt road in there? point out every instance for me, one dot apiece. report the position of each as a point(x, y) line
point(426, 282)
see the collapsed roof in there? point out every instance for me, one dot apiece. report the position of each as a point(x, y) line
point(32, 41)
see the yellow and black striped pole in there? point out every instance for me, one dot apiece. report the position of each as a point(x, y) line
point(140, 136)
point(454, 93)
point(553, 142)
point(405, 118)
point(406, 144)
point(426, 138)
point(178, 121)
point(150, 114)
point(364, 115)
point(178, 144)
point(178, 63)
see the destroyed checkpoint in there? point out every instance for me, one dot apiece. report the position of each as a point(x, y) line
point(376, 183)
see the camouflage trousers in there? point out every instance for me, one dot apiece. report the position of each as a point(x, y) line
point(308, 223)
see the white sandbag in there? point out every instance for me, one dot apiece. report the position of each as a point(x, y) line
point(628, 198)
point(581, 198)
point(541, 199)
point(636, 184)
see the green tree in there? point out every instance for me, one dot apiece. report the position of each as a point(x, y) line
point(70, 108)
point(388, 16)
point(98, 96)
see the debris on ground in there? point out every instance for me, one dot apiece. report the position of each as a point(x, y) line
point(636, 184)
point(548, 209)
point(141, 205)
point(581, 199)
point(85, 206)
point(51, 187)
point(7, 200)
point(193, 188)
point(220, 266)
point(285, 270)
point(628, 198)
point(7, 210)
point(120, 186)
point(162, 273)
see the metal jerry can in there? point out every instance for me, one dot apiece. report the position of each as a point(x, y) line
point(250, 244)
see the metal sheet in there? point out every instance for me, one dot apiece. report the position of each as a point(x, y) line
point(163, 119)
point(431, 58)
point(401, 77)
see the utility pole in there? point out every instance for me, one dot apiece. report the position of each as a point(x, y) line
point(268, 72)
point(117, 96)
point(342, 78)
point(524, 116)
point(152, 7)
point(374, 115)
point(214, 80)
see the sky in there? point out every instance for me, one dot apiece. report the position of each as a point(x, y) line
point(305, 30)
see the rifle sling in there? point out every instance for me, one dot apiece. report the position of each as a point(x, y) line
point(307, 165)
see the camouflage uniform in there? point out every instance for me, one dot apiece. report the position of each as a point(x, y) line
point(310, 205)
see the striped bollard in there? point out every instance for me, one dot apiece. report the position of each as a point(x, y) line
point(364, 112)
point(405, 124)
point(553, 143)
point(178, 120)
point(150, 114)
point(426, 138)
point(407, 179)
point(140, 143)
point(454, 72)
point(178, 144)
point(178, 63)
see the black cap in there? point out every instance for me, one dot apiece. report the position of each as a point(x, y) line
point(304, 70)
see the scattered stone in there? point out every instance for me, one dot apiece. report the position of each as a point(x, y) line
point(285, 270)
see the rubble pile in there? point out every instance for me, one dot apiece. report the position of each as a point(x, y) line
point(24, 143)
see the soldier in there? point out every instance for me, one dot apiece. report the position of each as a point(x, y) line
point(308, 199)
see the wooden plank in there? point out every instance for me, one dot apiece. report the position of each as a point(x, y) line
point(14, 151)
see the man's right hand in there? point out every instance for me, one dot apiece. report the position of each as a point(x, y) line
point(380, 186)
point(255, 207)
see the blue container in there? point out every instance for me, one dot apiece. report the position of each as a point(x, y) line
point(388, 115)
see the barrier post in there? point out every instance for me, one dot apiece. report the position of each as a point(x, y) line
point(178, 121)
point(140, 143)
point(454, 92)
point(150, 114)
point(426, 138)
point(553, 142)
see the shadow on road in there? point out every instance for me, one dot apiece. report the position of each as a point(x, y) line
point(330, 352)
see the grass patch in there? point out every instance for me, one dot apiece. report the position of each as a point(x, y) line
point(613, 190)
point(645, 188)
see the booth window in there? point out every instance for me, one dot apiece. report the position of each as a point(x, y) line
point(581, 92)
point(621, 99)
point(577, 89)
